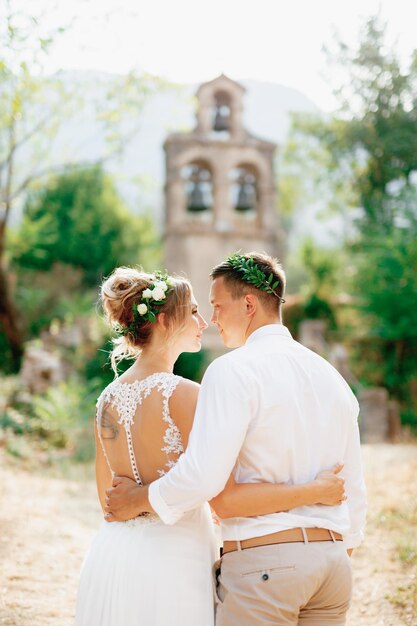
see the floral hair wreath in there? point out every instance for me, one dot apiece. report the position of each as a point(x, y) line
point(147, 308)
point(251, 273)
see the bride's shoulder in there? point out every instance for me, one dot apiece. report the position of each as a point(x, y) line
point(185, 388)
point(107, 392)
point(182, 406)
point(185, 394)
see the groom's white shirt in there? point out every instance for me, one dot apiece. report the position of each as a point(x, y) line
point(271, 411)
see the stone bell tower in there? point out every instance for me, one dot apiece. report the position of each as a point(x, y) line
point(220, 192)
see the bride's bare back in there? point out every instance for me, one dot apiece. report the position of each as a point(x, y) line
point(135, 428)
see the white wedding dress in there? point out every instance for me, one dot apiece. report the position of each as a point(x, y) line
point(142, 572)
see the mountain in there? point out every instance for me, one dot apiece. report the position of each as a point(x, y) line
point(139, 172)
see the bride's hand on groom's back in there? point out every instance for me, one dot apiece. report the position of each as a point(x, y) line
point(124, 499)
point(331, 486)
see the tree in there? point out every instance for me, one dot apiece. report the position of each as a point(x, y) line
point(368, 158)
point(32, 108)
point(321, 266)
point(368, 147)
point(19, 92)
point(78, 219)
point(385, 284)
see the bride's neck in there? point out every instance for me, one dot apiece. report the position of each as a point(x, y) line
point(152, 363)
point(152, 360)
point(159, 355)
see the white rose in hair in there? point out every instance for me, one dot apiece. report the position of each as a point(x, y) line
point(158, 294)
point(142, 309)
point(161, 285)
point(147, 293)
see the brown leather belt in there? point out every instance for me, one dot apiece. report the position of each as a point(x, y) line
point(293, 535)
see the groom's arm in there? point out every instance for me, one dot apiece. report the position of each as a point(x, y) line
point(226, 403)
point(355, 490)
point(227, 400)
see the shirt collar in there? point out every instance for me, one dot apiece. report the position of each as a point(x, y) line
point(269, 329)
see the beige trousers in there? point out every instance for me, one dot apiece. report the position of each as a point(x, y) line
point(288, 584)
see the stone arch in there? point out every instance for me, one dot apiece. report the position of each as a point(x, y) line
point(212, 96)
point(222, 111)
point(245, 188)
point(197, 177)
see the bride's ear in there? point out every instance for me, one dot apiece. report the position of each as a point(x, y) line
point(162, 321)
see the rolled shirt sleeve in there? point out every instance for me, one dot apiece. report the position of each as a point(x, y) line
point(354, 482)
point(226, 404)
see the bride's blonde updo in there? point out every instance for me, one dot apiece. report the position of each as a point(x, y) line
point(122, 290)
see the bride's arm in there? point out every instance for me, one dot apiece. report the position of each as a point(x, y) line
point(250, 499)
point(103, 473)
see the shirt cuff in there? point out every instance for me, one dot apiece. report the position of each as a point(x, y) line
point(352, 540)
point(167, 514)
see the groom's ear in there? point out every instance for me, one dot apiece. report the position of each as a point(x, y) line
point(251, 303)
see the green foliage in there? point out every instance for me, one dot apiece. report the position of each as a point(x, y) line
point(7, 366)
point(371, 143)
point(79, 220)
point(348, 160)
point(192, 365)
point(57, 294)
point(64, 414)
point(98, 367)
point(33, 107)
point(293, 316)
point(321, 266)
point(316, 167)
point(322, 269)
point(409, 418)
point(318, 309)
point(365, 159)
point(386, 284)
point(62, 418)
point(251, 273)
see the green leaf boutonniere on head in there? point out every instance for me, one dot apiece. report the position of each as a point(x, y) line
point(252, 274)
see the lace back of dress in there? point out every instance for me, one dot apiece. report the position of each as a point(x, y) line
point(135, 427)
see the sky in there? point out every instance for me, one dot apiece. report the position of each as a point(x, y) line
point(191, 41)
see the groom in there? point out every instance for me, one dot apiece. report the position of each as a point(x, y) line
point(271, 411)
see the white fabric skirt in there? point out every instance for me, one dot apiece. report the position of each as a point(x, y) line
point(144, 573)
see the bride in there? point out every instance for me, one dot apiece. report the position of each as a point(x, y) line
point(142, 572)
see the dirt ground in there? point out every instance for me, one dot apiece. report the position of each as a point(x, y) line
point(47, 523)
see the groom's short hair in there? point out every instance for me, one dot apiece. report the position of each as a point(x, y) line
point(239, 288)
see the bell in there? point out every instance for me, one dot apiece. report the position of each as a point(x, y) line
point(244, 199)
point(195, 199)
point(221, 121)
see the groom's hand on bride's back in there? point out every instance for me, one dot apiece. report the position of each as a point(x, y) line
point(125, 499)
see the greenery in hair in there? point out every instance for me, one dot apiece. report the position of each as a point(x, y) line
point(147, 308)
point(251, 273)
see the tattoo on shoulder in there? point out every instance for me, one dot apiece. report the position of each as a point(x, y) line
point(109, 426)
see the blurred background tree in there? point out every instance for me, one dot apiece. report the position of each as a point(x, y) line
point(23, 120)
point(79, 219)
point(363, 162)
point(73, 232)
point(321, 267)
point(33, 107)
